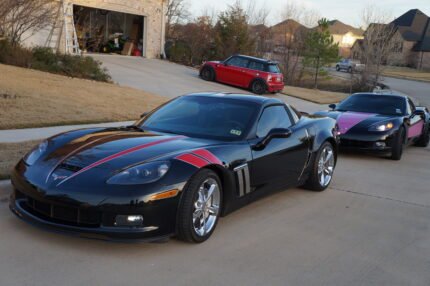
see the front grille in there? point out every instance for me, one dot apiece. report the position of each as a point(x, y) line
point(355, 144)
point(73, 216)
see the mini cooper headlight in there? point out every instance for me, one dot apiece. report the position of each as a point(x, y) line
point(36, 153)
point(382, 127)
point(141, 174)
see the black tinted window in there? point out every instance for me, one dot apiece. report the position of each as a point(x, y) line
point(256, 66)
point(238, 62)
point(373, 103)
point(273, 117)
point(207, 117)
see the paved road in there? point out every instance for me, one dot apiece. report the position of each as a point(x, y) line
point(371, 227)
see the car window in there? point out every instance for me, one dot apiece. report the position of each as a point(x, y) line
point(273, 68)
point(273, 117)
point(373, 103)
point(256, 66)
point(203, 117)
point(238, 62)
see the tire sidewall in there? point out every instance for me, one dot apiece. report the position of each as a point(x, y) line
point(263, 87)
point(313, 181)
point(186, 206)
point(397, 149)
point(207, 74)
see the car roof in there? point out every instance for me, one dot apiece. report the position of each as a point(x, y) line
point(261, 100)
point(270, 62)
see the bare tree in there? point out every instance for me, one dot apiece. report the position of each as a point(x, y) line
point(177, 11)
point(257, 15)
point(19, 17)
point(377, 44)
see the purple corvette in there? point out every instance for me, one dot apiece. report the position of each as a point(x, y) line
point(382, 123)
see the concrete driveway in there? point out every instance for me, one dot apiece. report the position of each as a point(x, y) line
point(371, 227)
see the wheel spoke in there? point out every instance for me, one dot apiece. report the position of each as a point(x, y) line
point(328, 156)
point(213, 210)
point(210, 192)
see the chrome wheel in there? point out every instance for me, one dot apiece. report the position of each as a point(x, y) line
point(206, 207)
point(326, 166)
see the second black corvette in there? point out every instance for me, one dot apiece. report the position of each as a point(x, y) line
point(382, 123)
point(175, 171)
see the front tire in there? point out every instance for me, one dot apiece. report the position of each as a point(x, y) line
point(397, 148)
point(322, 169)
point(207, 74)
point(200, 207)
point(424, 139)
point(337, 68)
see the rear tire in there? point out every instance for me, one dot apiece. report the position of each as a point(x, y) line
point(397, 148)
point(424, 139)
point(323, 165)
point(200, 208)
point(258, 87)
point(207, 74)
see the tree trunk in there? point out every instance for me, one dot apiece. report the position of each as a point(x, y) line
point(317, 69)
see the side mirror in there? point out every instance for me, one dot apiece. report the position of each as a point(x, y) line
point(144, 114)
point(332, 106)
point(274, 133)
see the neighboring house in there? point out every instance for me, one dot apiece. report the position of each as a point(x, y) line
point(345, 36)
point(410, 41)
point(286, 37)
point(104, 24)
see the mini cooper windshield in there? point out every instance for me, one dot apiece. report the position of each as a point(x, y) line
point(205, 117)
point(370, 103)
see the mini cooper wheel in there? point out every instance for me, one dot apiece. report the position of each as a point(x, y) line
point(207, 74)
point(322, 169)
point(258, 87)
point(200, 207)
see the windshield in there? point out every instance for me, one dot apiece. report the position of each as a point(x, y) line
point(273, 68)
point(207, 117)
point(371, 103)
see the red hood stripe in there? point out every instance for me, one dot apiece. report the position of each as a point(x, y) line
point(205, 154)
point(194, 160)
point(120, 154)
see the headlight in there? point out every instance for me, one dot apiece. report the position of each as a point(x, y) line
point(36, 153)
point(382, 127)
point(141, 174)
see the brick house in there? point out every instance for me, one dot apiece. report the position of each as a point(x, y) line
point(97, 25)
point(410, 41)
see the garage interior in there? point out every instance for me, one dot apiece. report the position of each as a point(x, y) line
point(109, 32)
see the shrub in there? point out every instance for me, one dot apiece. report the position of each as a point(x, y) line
point(44, 59)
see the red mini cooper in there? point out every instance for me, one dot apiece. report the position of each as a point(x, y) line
point(258, 75)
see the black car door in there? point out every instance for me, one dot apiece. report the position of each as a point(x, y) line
point(282, 161)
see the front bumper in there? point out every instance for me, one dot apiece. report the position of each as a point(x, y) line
point(375, 143)
point(81, 218)
point(275, 87)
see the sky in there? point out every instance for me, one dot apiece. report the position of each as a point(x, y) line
point(347, 11)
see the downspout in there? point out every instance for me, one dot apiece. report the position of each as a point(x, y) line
point(163, 30)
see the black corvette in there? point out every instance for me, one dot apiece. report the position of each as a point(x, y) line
point(382, 123)
point(175, 171)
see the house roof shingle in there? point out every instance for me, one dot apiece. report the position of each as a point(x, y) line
point(414, 26)
point(336, 27)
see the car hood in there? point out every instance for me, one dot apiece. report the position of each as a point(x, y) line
point(349, 121)
point(111, 150)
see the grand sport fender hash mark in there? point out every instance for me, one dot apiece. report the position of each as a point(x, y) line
point(243, 179)
point(120, 154)
point(199, 158)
